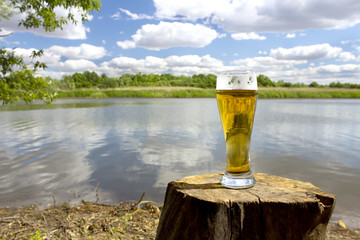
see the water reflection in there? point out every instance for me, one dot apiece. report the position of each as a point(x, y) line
point(77, 103)
point(131, 146)
point(315, 141)
point(156, 144)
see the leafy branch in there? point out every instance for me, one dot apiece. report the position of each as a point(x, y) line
point(18, 80)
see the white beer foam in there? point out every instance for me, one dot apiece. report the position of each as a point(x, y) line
point(236, 80)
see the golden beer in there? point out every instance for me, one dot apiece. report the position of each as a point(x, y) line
point(236, 94)
point(237, 109)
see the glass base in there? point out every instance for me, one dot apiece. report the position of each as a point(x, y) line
point(246, 180)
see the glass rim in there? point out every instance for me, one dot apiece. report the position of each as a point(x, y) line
point(233, 72)
point(237, 79)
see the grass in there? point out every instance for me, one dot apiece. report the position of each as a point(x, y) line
point(308, 93)
point(139, 93)
point(175, 92)
point(126, 220)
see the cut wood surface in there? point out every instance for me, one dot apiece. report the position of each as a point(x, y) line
point(198, 207)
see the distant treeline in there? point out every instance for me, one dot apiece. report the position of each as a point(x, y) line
point(93, 80)
point(264, 81)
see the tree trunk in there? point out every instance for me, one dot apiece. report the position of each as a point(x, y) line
point(198, 207)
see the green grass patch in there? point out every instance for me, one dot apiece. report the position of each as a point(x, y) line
point(143, 93)
point(307, 93)
point(207, 93)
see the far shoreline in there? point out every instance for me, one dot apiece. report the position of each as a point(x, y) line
point(194, 92)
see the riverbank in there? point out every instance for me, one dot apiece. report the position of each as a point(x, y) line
point(127, 220)
point(308, 93)
point(140, 92)
point(191, 92)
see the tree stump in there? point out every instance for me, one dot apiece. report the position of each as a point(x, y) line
point(198, 207)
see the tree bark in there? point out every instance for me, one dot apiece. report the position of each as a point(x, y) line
point(198, 207)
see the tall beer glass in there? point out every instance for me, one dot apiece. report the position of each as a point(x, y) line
point(236, 94)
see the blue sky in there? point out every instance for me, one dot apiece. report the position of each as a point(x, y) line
point(297, 41)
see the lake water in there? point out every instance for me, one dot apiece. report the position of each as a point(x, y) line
point(130, 146)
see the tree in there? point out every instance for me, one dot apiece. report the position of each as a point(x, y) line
point(38, 14)
point(314, 84)
point(81, 81)
point(93, 78)
point(29, 88)
point(264, 81)
point(5, 13)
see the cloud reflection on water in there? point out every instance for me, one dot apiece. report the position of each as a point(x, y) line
point(131, 146)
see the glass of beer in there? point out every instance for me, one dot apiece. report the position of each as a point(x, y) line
point(236, 94)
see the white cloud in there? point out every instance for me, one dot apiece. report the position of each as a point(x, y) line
point(122, 62)
point(291, 35)
point(193, 61)
point(116, 16)
point(126, 44)
point(340, 69)
point(121, 65)
point(170, 34)
point(289, 71)
point(293, 65)
point(187, 9)
point(76, 55)
point(289, 64)
point(346, 57)
point(323, 74)
point(247, 36)
point(264, 15)
point(69, 31)
point(57, 68)
point(84, 51)
point(51, 74)
point(178, 65)
point(154, 62)
point(135, 16)
point(3, 34)
point(312, 52)
point(190, 70)
point(261, 64)
point(276, 69)
point(50, 59)
point(76, 65)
